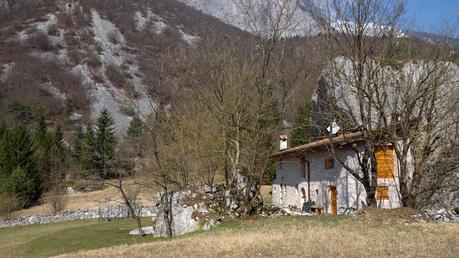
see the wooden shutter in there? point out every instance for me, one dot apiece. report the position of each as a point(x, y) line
point(385, 162)
point(382, 193)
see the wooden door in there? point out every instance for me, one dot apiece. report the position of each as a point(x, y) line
point(333, 204)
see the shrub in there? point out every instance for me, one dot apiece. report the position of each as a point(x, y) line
point(56, 200)
point(53, 30)
point(117, 77)
point(41, 41)
point(99, 50)
point(93, 60)
point(128, 110)
point(8, 204)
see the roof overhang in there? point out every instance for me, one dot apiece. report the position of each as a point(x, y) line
point(343, 139)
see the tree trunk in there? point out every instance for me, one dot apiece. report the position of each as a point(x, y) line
point(130, 206)
point(167, 212)
point(225, 150)
point(371, 196)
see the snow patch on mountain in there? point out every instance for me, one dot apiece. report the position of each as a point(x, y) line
point(371, 29)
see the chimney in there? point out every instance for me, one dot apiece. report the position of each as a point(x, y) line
point(283, 143)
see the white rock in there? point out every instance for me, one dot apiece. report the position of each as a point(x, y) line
point(145, 230)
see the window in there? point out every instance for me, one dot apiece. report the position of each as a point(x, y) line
point(385, 162)
point(382, 193)
point(329, 163)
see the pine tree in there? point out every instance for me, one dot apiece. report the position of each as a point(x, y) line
point(42, 146)
point(105, 142)
point(58, 161)
point(134, 136)
point(57, 145)
point(78, 145)
point(88, 155)
point(4, 154)
point(41, 132)
point(135, 129)
point(302, 131)
point(2, 128)
point(20, 176)
point(68, 107)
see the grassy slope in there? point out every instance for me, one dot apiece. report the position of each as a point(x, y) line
point(288, 236)
point(298, 237)
point(58, 238)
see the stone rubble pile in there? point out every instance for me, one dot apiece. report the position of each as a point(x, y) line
point(346, 211)
point(106, 213)
point(441, 215)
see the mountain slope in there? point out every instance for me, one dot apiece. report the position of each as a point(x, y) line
point(94, 54)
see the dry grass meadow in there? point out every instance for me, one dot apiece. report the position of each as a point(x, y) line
point(87, 201)
point(320, 236)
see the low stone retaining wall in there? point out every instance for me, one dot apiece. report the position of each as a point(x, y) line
point(108, 212)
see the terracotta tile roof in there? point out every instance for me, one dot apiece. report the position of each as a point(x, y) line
point(340, 139)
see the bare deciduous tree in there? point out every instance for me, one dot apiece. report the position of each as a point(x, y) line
point(393, 97)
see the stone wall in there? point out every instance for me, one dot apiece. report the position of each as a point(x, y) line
point(107, 212)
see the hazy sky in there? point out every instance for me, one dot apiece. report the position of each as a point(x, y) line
point(429, 14)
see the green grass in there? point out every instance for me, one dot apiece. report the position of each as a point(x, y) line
point(68, 237)
point(58, 238)
point(376, 234)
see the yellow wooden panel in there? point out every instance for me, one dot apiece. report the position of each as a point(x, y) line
point(385, 162)
point(382, 192)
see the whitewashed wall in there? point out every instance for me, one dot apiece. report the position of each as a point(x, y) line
point(350, 192)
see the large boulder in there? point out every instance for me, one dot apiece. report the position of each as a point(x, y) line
point(189, 211)
point(201, 208)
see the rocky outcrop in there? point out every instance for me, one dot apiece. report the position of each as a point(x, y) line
point(441, 215)
point(201, 208)
point(190, 211)
point(231, 12)
point(242, 190)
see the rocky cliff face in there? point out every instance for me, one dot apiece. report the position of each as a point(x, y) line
point(232, 12)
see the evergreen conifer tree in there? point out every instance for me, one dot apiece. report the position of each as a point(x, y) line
point(105, 142)
point(135, 129)
point(78, 145)
point(302, 131)
point(57, 148)
point(88, 155)
point(42, 143)
point(20, 176)
point(134, 135)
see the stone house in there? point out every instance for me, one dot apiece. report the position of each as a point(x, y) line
point(309, 172)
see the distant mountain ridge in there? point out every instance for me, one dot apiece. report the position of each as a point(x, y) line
point(229, 11)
